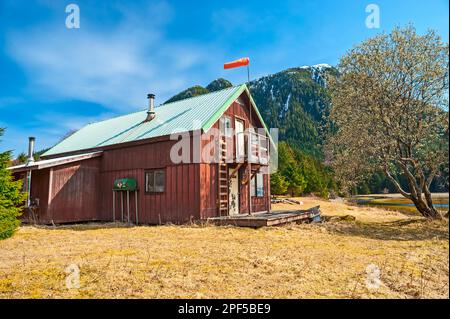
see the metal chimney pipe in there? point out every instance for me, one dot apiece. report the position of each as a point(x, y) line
point(30, 161)
point(31, 141)
point(151, 107)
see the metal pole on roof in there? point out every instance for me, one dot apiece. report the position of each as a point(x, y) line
point(248, 74)
point(29, 162)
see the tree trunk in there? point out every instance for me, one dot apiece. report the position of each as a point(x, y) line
point(424, 206)
point(426, 210)
point(429, 201)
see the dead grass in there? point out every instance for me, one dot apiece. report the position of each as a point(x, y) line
point(397, 202)
point(293, 261)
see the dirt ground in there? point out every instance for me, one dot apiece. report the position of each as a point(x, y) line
point(380, 254)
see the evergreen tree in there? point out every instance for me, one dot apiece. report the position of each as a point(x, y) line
point(11, 197)
point(218, 84)
point(289, 169)
point(278, 184)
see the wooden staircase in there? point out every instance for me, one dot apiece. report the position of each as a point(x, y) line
point(223, 178)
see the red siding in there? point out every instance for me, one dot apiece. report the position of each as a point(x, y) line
point(39, 190)
point(83, 190)
point(259, 204)
point(74, 191)
point(179, 202)
point(208, 190)
point(209, 181)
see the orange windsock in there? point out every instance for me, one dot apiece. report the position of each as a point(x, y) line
point(237, 63)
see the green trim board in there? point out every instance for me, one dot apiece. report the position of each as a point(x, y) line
point(199, 112)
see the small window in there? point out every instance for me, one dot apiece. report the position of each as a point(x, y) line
point(253, 187)
point(155, 181)
point(225, 126)
point(257, 185)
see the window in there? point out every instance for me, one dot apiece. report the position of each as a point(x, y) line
point(155, 181)
point(253, 187)
point(257, 185)
point(225, 126)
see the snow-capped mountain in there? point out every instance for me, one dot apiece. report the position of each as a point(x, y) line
point(319, 72)
point(295, 101)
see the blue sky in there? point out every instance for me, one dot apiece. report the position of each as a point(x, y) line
point(54, 79)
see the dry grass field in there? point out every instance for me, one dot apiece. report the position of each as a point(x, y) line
point(200, 261)
point(400, 203)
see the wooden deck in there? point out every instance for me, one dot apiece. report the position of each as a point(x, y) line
point(262, 219)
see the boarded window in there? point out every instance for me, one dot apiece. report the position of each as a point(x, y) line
point(155, 181)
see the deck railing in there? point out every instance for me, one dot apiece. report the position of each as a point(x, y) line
point(256, 151)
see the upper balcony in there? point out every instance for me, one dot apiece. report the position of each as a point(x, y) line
point(255, 152)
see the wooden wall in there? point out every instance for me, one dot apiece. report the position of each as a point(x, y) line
point(259, 204)
point(180, 200)
point(178, 203)
point(208, 173)
point(208, 190)
point(73, 195)
point(39, 189)
point(83, 190)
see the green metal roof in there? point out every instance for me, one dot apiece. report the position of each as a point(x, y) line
point(200, 112)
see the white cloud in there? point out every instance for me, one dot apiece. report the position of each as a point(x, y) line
point(111, 63)
point(47, 127)
point(114, 67)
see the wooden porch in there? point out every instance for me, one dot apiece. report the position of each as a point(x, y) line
point(262, 219)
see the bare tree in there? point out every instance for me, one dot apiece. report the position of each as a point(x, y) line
point(390, 113)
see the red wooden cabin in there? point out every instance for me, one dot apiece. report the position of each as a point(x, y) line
point(73, 181)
